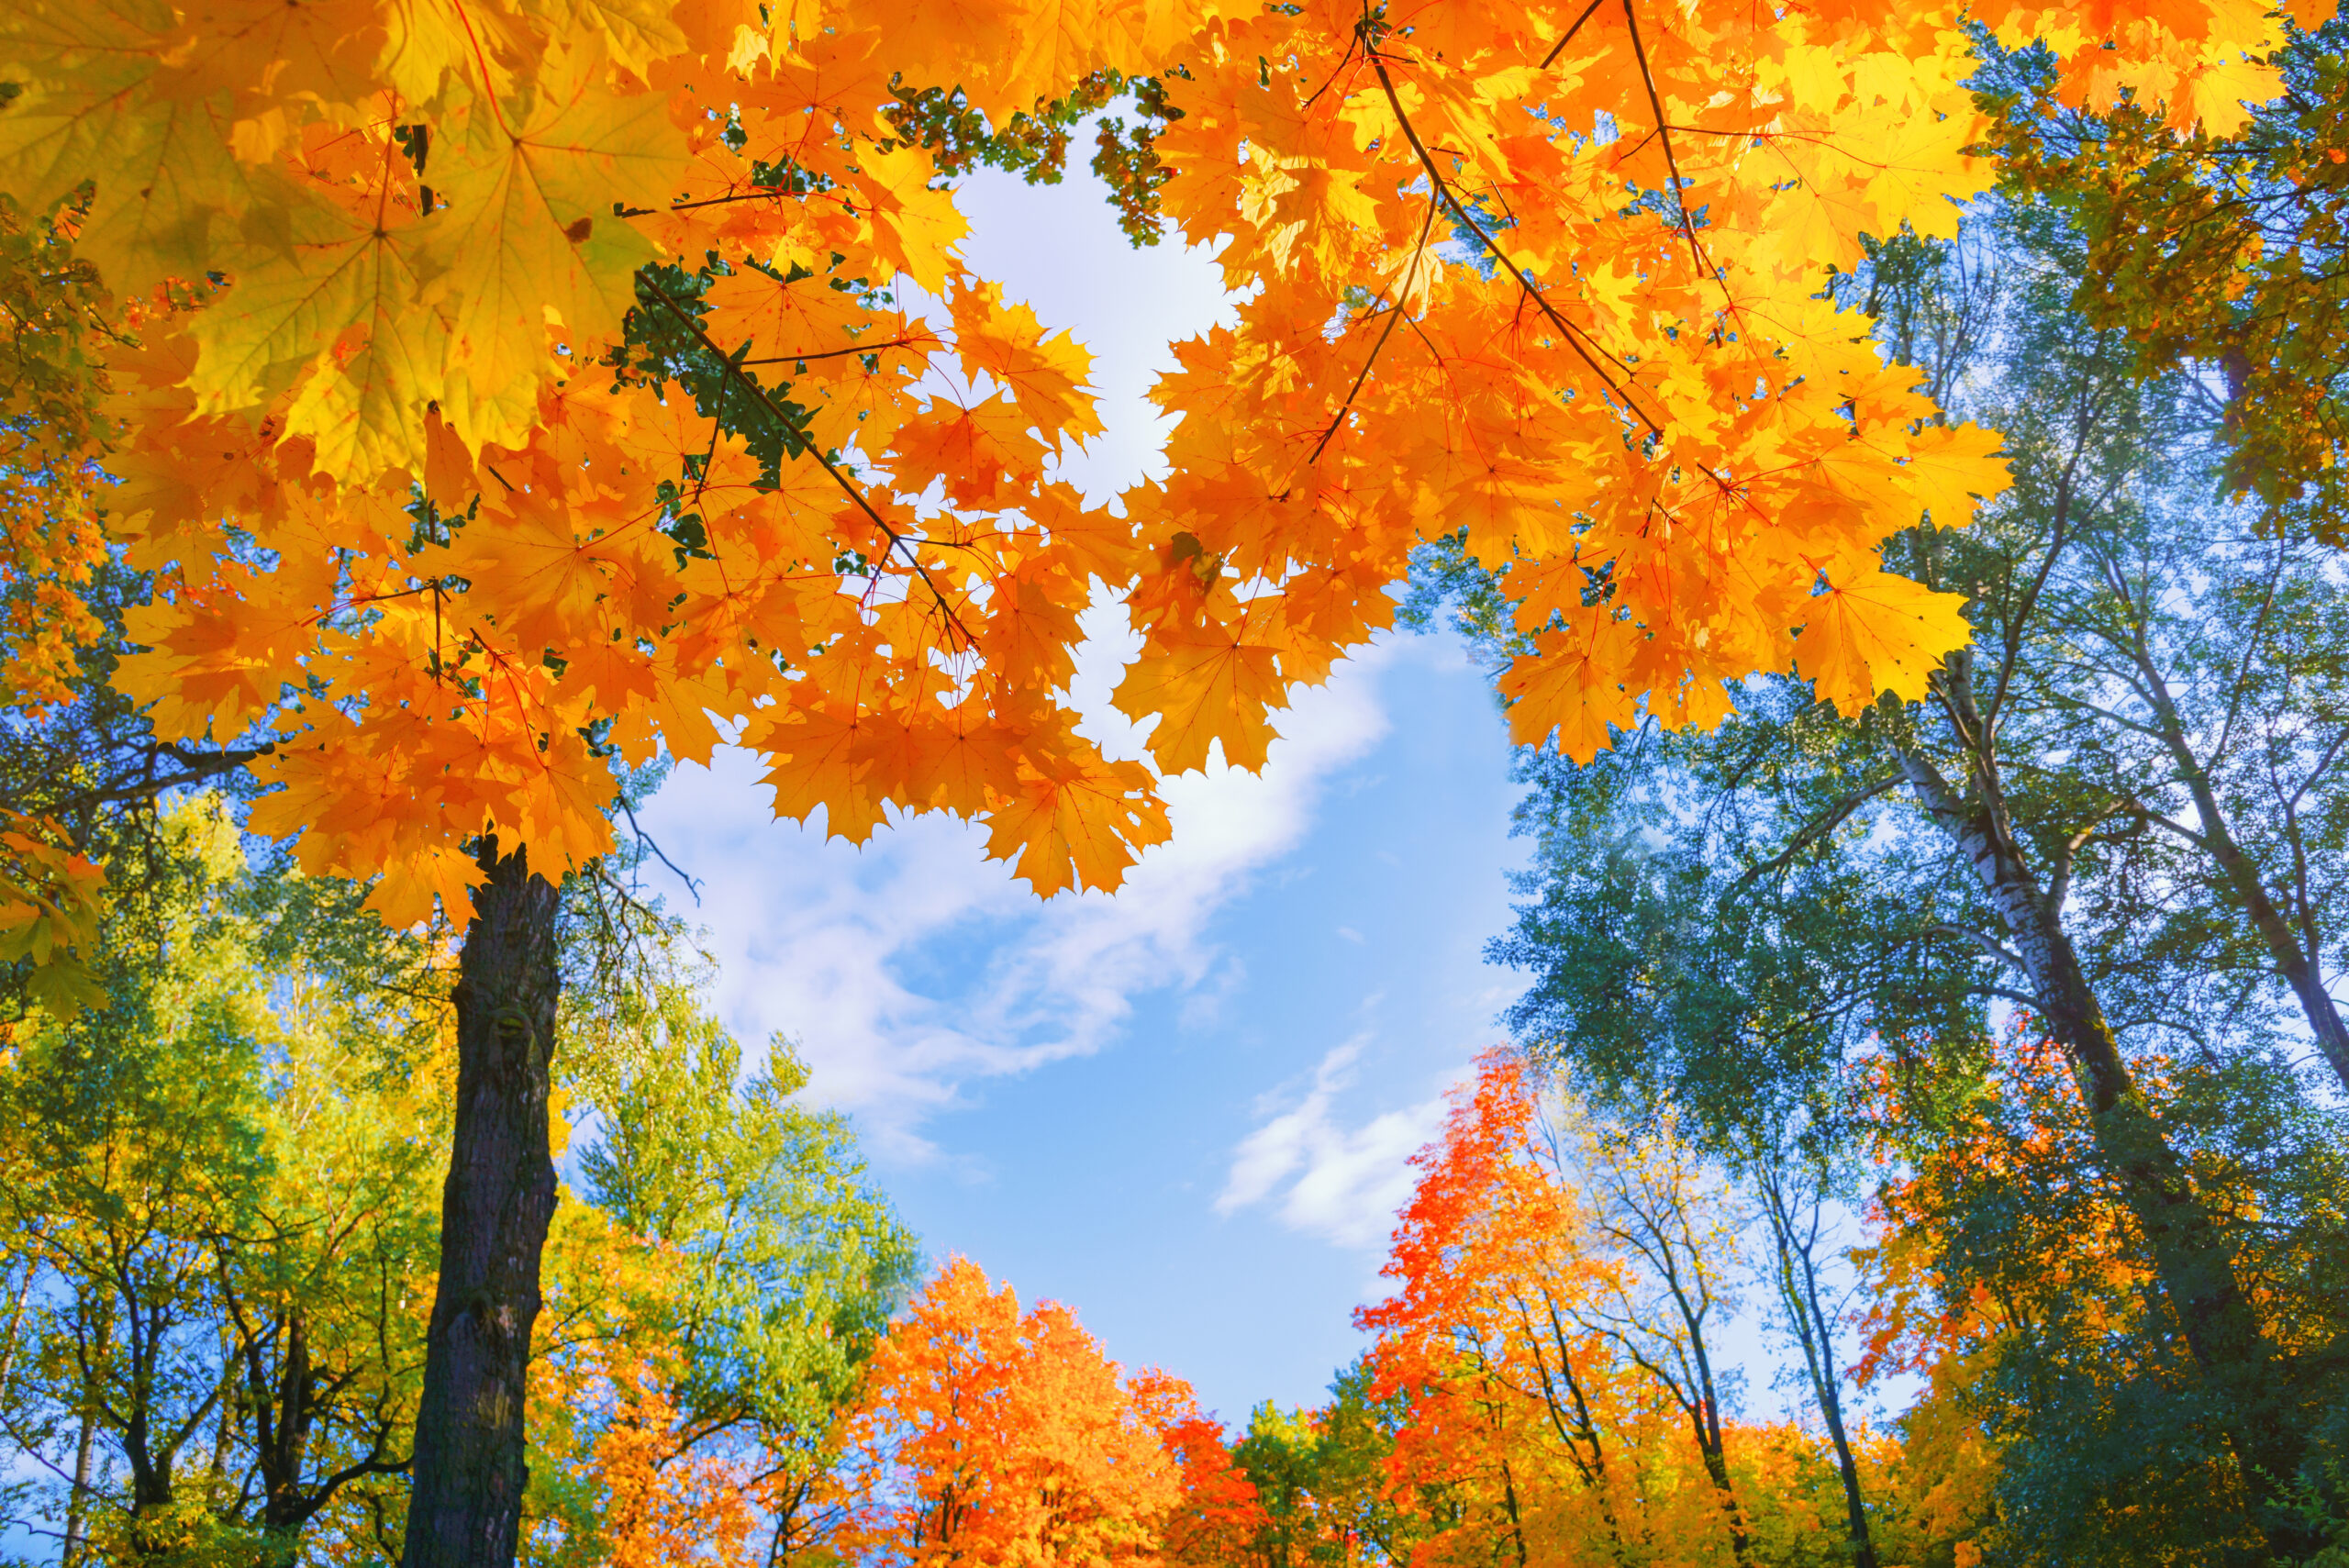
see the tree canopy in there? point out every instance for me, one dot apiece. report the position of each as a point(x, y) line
point(504, 386)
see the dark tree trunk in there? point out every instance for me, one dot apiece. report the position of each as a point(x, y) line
point(282, 1416)
point(466, 1508)
point(1799, 1290)
point(1576, 1429)
point(1708, 1424)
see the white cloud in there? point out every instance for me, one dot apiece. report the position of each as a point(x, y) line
point(914, 967)
point(1342, 1185)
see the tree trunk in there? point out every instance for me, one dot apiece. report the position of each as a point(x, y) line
point(1516, 1524)
point(1577, 1430)
point(469, 1471)
point(77, 1504)
point(1798, 1288)
point(1709, 1443)
point(2191, 1257)
point(282, 1421)
point(2297, 961)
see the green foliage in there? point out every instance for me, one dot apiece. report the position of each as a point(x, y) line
point(792, 1262)
point(220, 1197)
point(2217, 256)
point(1034, 145)
point(1320, 1477)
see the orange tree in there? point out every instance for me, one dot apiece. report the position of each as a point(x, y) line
point(984, 1434)
point(1551, 1337)
point(520, 384)
point(1520, 1403)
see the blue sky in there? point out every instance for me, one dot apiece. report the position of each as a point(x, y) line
point(1186, 1109)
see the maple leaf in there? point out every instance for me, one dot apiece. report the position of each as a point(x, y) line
point(1875, 632)
point(635, 33)
point(1573, 686)
point(1948, 468)
point(171, 185)
point(808, 317)
point(341, 305)
point(914, 227)
point(1207, 688)
point(1080, 830)
point(818, 758)
point(530, 232)
point(1046, 374)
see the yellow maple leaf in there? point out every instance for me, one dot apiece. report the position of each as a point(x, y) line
point(1082, 831)
point(1048, 375)
point(530, 229)
point(635, 32)
point(96, 101)
point(914, 227)
point(1208, 686)
point(338, 312)
point(1572, 685)
point(1950, 467)
point(1877, 633)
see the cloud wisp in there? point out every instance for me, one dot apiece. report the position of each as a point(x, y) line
point(1321, 1177)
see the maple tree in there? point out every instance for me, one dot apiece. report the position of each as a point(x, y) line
point(1550, 1337)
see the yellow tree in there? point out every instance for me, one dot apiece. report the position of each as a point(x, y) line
point(1518, 1407)
point(52, 330)
point(521, 383)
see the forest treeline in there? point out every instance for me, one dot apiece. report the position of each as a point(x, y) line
point(1981, 1045)
point(220, 1193)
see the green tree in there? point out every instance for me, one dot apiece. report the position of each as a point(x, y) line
point(1743, 924)
point(220, 1212)
point(784, 1263)
point(1320, 1477)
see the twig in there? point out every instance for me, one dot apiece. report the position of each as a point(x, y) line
point(660, 854)
point(1388, 332)
point(897, 540)
point(1574, 334)
point(1671, 163)
point(1559, 48)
